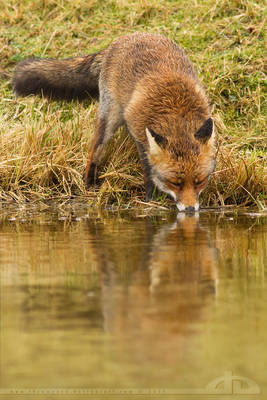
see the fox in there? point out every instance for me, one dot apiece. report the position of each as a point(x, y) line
point(147, 83)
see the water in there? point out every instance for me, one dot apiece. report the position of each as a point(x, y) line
point(130, 301)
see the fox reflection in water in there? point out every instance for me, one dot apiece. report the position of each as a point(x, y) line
point(166, 286)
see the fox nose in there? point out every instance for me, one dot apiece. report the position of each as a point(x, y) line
point(190, 209)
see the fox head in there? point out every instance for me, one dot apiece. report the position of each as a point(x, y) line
point(182, 167)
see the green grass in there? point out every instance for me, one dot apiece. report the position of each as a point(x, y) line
point(44, 145)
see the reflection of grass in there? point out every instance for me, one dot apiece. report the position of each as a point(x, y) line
point(44, 145)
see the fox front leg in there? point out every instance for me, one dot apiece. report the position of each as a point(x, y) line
point(149, 184)
point(150, 188)
point(109, 119)
point(94, 158)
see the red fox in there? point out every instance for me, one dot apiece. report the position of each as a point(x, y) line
point(147, 83)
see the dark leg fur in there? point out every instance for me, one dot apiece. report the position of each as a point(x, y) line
point(92, 176)
point(108, 120)
point(150, 188)
point(149, 185)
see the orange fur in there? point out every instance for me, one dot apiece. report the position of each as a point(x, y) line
point(147, 83)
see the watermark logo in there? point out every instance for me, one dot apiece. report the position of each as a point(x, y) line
point(232, 384)
point(228, 384)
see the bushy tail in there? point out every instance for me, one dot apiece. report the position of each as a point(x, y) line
point(73, 78)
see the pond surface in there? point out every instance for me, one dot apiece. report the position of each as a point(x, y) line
point(128, 301)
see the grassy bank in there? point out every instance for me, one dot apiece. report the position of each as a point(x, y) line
point(44, 145)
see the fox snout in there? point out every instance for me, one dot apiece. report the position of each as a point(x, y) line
point(187, 200)
point(189, 209)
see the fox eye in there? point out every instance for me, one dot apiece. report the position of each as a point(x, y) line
point(198, 183)
point(177, 183)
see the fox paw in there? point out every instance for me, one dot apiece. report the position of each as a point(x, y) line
point(150, 189)
point(91, 176)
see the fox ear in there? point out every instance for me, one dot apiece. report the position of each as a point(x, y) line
point(155, 141)
point(205, 132)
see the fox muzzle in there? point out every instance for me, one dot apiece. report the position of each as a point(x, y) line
point(187, 209)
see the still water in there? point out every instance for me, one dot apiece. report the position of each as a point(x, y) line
point(119, 300)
